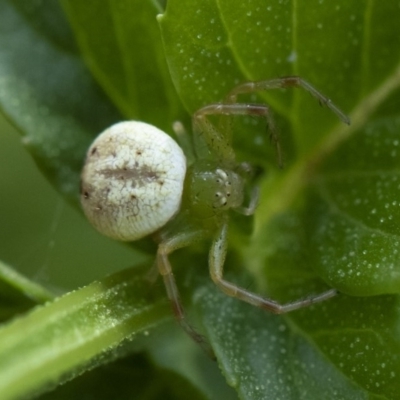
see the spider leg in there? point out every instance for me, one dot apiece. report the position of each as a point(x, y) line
point(219, 142)
point(253, 203)
point(152, 275)
point(247, 169)
point(286, 82)
point(216, 262)
point(165, 270)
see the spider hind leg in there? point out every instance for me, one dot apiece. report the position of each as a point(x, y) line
point(216, 261)
point(165, 270)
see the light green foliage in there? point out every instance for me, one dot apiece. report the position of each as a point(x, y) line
point(329, 218)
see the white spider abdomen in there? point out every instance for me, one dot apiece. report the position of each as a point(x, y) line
point(132, 180)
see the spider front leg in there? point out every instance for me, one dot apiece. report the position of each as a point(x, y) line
point(250, 209)
point(216, 264)
point(253, 203)
point(164, 267)
point(218, 141)
point(286, 82)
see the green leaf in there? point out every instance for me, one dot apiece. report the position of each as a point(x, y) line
point(309, 227)
point(123, 49)
point(53, 100)
point(360, 338)
point(353, 230)
point(75, 333)
point(193, 364)
point(250, 54)
point(46, 91)
point(268, 357)
point(216, 44)
point(200, 61)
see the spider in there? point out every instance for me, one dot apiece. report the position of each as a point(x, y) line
point(136, 181)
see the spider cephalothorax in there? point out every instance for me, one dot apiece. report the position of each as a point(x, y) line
point(212, 189)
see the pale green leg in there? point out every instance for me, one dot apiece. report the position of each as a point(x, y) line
point(165, 270)
point(216, 262)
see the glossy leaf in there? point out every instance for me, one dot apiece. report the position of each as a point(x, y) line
point(332, 213)
point(268, 357)
point(123, 49)
point(249, 51)
point(353, 231)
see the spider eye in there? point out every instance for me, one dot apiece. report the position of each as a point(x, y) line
point(134, 173)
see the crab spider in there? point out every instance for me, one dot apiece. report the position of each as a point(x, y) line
point(136, 181)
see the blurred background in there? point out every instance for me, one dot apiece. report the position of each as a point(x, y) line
point(42, 236)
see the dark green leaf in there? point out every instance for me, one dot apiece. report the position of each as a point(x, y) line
point(133, 376)
point(193, 364)
point(46, 91)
